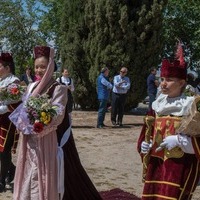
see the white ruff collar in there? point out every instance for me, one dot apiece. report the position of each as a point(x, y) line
point(177, 106)
point(4, 82)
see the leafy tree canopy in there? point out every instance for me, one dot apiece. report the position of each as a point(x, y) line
point(89, 34)
point(19, 32)
point(181, 21)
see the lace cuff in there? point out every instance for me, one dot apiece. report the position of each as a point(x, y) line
point(185, 143)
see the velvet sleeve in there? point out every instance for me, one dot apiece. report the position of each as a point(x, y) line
point(196, 146)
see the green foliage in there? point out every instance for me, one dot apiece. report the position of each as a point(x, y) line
point(18, 32)
point(73, 35)
point(51, 20)
point(181, 21)
point(89, 34)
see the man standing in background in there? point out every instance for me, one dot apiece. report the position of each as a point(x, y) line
point(27, 77)
point(103, 92)
point(121, 86)
point(152, 85)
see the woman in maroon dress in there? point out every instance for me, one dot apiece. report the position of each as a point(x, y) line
point(48, 165)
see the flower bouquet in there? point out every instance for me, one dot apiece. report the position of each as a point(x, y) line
point(190, 124)
point(12, 93)
point(40, 111)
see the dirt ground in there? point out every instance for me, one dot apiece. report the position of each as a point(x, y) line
point(109, 155)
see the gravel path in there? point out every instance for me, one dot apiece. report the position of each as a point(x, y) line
point(109, 155)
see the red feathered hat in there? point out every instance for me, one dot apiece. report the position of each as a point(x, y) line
point(176, 68)
point(40, 51)
point(6, 57)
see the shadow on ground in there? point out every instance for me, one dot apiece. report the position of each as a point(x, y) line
point(118, 194)
point(139, 111)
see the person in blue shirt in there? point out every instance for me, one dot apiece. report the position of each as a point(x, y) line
point(27, 77)
point(103, 92)
point(152, 85)
point(121, 86)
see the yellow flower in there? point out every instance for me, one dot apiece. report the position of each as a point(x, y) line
point(45, 118)
point(48, 119)
point(43, 114)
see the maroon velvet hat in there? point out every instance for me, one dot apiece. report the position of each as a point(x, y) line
point(176, 68)
point(40, 51)
point(6, 57)
point(173, 69)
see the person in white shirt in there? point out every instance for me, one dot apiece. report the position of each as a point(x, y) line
point(121, 85)
point(65, 79)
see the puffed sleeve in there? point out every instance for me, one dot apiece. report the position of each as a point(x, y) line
point(59, 98)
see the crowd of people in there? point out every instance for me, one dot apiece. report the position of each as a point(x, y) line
point(48, 165)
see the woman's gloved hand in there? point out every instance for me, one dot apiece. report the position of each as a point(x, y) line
point(3, 109)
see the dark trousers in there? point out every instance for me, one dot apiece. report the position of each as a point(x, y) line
point(152, 98)
point(102, 111)
point(117, 111)
point(6, 159)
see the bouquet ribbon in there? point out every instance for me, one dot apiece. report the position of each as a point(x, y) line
point(19, 116)
point(60, 162)
point(20, 120)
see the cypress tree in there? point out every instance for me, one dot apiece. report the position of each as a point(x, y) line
point(116, 33)
point(73, 34)
point(124, 33)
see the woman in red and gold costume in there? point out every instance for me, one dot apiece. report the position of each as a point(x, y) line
point(172, 167)
point(8, 134)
